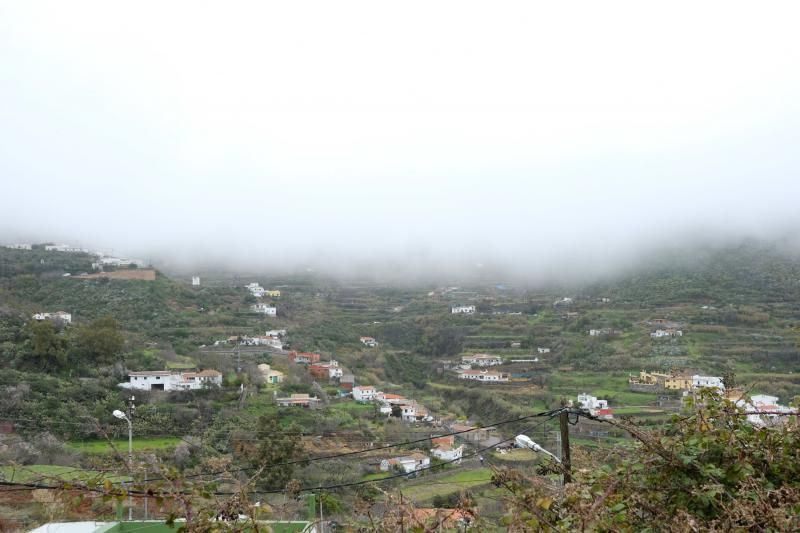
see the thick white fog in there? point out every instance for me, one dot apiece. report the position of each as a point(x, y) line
point(400, 136)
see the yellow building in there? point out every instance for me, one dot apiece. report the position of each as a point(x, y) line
point(652, 378)
point(273, 294)
point(678, 383)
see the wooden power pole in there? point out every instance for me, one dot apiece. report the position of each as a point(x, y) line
point(566, 462)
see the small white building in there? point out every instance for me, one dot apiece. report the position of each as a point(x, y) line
point(463, 310)
point(543, 350)
point(195, 281)
point(711, 382)
point(61, 316)
point(172, 381)
point(365, 393)
point(368, 341)
point(481, 359)
point(408, 463)
point(666, 333)
point(18, 246)
point(598, 408)
point(448, 453)
point(276, 333)
point(264, 309)
point(484, 376)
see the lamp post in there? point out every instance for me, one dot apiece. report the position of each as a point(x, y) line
point(122, 416)
point(538, 448)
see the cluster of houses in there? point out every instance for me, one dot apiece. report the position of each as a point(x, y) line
point(408, 410)
point(462, 309)
point(322, 370)
point(19, 246)
point(259, 292)
point(467, 369)
point(165, 380)
point(658, 381)
point(59, 316)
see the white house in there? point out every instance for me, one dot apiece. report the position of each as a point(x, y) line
point(563, 301)
point(117, 262)
point(603, 331)
point(448, 453)
point(484, 376)
point(58, 315)
point(261, 340)
point(65, 248)
point(275, 333)
point(712, 382)
point(255, 289)
point(18, 246)
point(763, 409)
point(543, 350)
point(463, 309)
point(369, 341)
point(663, 333)
point(408, 463)
point(408, 412)
point(171, 381)
point(264, 309)
point(195, 281)
point(595, 407)
point(481, 359)
point(385, 409)
point(364, 393)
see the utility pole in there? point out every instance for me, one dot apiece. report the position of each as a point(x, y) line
point(238, 358)
point(566, 462)
point(321, 519)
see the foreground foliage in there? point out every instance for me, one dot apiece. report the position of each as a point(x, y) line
point(710, 471)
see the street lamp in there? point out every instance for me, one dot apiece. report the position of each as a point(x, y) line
point(538, 448)
point(122, 416)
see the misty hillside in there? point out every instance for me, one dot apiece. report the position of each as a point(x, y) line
point(743, 274)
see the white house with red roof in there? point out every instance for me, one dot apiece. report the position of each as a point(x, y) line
point(364, 393)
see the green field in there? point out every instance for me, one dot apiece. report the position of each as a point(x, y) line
point(429, 487)
point(51, 473)
point(140, 444)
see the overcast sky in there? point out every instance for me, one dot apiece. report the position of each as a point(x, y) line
point(289, 133)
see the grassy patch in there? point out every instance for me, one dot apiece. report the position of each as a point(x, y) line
point(429, 487)
point(44, 473)
point(104, 446)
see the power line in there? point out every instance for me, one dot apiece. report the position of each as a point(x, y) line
point(367, 450)
point(148, 493)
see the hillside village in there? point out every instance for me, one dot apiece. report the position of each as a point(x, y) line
point(352, 372)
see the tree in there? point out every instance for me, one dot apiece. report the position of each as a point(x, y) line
point(48, 349)
point(99, 341)
point(276, 446)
